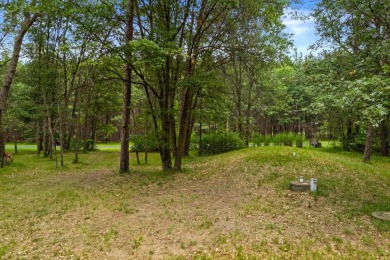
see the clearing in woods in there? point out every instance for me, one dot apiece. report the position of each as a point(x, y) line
point(234, 205)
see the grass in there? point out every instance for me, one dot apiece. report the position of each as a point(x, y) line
point(30, 147)
point(231, 206)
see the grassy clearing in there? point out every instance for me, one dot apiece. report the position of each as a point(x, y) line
point(25, 147)
point(235, 205)
point(29, 147)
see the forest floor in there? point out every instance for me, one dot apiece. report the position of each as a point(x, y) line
point(231, 206)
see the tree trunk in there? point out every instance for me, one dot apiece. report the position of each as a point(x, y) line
point(165, 150)
point(125, 130)
point(2, 145)
point(187, 104)
point(62, 139)
point(349, 134)
point(85, 123)
point(9, 76)
point(46, 143)
point(188, 137)
point(184, 127)
point(39, 138)
point(384, 138)
point(52, 140)
point(165, 145)
point(137, 155)
point(166, 103)
point(77, 137)
point(173, 133)
point(368, 146)
point(238, 92)
point(77, 122)
point(16, 145)
point(200, 124)
point(166, 159)
point(248, 109)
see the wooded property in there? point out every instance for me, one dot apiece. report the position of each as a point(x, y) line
point(101, 101)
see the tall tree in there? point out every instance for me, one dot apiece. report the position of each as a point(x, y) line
point(361, 30)
point(28, 20)
point(125, 131)
point(179, 38)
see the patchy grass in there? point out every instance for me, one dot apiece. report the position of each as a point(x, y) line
point(231, 206)
point(30, 147)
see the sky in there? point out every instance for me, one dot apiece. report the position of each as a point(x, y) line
point(303, 31)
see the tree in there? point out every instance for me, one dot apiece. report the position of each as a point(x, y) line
point(179, 40)
point(69, 70)
point(125, 131)
point(28, 20)
point(21, 112)
point(361, 30)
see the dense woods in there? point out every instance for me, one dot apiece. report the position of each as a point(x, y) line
point(78, 72)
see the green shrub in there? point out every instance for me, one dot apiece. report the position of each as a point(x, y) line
point(220, 142)
point(276, 139)
point(267, 140)
point(88, 145)
point(356, 143)
point(194, 142)
point(299, 140)
point(144, 142)
point(287, 139)
point(283, 139)
point(258, 140)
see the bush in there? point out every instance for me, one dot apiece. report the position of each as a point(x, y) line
point(356, 143)
point(144, 142)
point(276, 139)
point(267, 140)
point(194, 141)
point(258, 140)
point(88, 145)
point(220, 142)
point(287, 139)
point(299, 140)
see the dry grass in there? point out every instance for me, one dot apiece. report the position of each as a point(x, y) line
point(235, 205)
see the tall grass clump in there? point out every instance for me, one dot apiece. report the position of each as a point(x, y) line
point(220, 142)
point(276, 139)
point(267, 140)
point(258, 140)
point(286, 139)
point(299, 140)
